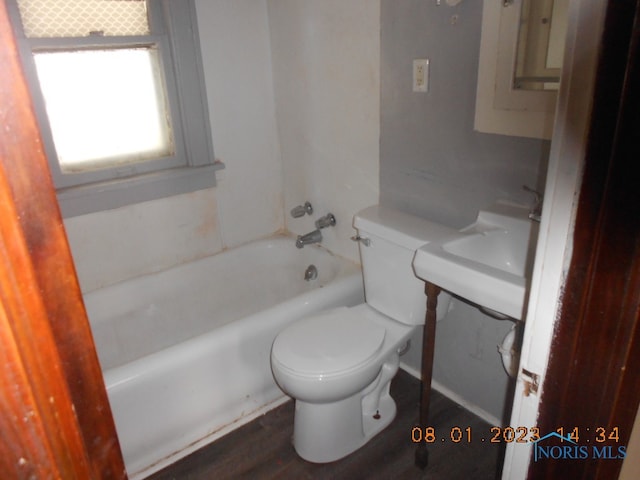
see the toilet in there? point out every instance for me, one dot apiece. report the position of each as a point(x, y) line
point(338, 364)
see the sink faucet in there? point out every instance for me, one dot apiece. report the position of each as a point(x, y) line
point(536, 209)
point(309, 238)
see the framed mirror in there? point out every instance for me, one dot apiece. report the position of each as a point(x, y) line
point(521, 53)
point(541, 37)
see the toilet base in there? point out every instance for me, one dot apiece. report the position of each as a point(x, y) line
point(327, 432)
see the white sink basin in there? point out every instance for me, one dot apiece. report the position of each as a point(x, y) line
point(488, 263)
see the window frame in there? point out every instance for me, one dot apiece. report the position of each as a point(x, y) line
point(174, 33)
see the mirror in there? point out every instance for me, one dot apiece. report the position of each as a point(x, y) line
point(541, 37)
point(514, 96)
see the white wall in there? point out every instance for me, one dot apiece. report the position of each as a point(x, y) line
point(326, 68)
point(234, 37)
point(326, 73)
point(127, 242)
point(247, 203)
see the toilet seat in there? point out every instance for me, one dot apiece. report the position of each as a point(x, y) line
point(328, 344)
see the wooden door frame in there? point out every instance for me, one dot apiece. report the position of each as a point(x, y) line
point(55, 416)
point(593, 376)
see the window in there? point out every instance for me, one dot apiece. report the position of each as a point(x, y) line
point(119, 93)
point(128, 113)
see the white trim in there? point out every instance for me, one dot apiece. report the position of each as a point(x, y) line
point(586, 19)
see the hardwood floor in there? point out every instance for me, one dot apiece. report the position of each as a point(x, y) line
point(262, 449)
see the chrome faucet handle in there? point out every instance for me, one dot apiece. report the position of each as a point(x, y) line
point(363, 240)
point(301, 210)
point(329, 220)
point(536, 194)
point(536, 210)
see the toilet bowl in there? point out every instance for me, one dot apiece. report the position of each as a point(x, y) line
point(338, 365)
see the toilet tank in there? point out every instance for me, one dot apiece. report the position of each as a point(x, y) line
point(389, 282)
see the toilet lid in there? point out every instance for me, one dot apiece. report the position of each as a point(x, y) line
point(328, 343)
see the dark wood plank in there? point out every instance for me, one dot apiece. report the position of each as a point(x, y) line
point(428, 350)
point(262, 449)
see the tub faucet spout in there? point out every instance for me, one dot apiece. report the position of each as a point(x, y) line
point(309, 238)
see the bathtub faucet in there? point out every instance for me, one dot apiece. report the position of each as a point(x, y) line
point(536, 210)
point(309, 238)
point(329, 220)
point(301, 210)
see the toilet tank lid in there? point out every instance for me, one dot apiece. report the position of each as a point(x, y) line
point(335, 341)
point(408, 231)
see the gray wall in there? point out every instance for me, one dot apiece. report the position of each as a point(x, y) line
point(432, 163)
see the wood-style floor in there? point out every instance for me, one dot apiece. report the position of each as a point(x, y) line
point(262, 449)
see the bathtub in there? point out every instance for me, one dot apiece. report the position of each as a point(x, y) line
point(185, 352)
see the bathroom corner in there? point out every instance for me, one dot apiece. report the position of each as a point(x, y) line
point(435, 165)
point(326, 70)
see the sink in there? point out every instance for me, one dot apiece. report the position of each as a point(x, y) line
point(488, 262)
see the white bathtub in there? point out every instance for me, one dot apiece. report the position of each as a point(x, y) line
point(185, 352)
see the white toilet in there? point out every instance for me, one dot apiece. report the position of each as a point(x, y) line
point(338, 365)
